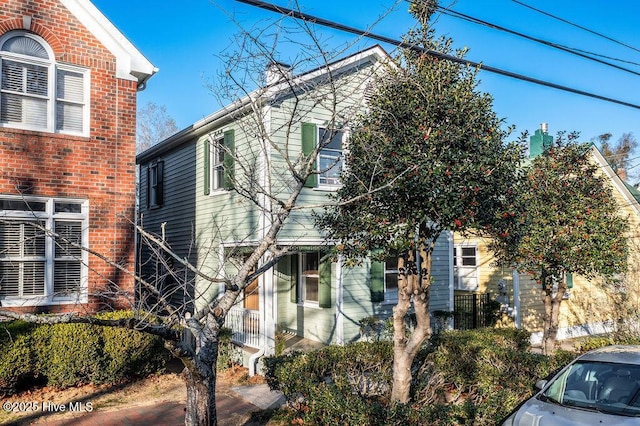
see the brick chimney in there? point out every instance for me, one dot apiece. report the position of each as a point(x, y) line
point(622, 174)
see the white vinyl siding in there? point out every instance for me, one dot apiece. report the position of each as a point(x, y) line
point(38, 94)
point(41, 255)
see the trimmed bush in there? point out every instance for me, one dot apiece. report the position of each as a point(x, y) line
point(335, 385)
point(64, 355)
point(473, 377)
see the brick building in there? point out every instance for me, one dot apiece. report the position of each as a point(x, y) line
point(69, 81)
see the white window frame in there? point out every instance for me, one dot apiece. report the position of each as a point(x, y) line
point(49, 217)
point(465, 276)
point(216, 167)
point(335, 156)
point(303, 275)
point(54, 102)
point(391, 295)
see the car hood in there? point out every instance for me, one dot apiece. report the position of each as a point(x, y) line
point(538, 413)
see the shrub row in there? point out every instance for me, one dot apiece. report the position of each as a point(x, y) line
point(473, 377)
point(64, 355)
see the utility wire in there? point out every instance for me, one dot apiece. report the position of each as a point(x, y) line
point(576, 25)
point(335, 25)
point(571, 50)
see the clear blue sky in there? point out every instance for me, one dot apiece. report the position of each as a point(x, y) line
point(183, 39)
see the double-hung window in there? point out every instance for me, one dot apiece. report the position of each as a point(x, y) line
point(314, 279)
point(309, 276)
point(384, 280)
point(155, 184)
point(42, 260)
point(465, 267)
point(36, 93)
point(330, 156)
point(219, 159)
point(329, 161)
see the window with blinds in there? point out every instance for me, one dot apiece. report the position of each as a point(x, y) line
point(41, 250)
point(22, 258)
point(35, 92)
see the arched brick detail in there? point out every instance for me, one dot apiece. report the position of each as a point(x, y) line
point(39, 29)
point(10, 24)
point(50, 37)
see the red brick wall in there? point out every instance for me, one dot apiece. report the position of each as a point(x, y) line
point(101, 167)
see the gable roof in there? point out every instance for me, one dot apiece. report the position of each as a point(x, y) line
point(228, 112)
point(630, 194)
point(130, 63)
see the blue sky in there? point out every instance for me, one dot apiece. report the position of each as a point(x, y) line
point(185, 41)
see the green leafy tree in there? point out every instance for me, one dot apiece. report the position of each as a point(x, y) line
point(428, 157)
point(562, 219)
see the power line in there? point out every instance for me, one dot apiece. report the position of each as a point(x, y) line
point(571, 50)
point(576, 25)
point(335, 25)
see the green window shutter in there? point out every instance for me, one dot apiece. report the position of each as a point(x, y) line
point(309, 142)
point(376, 281)
point(288, 266)
point(324, 284)
point(569, 280)
point(229, 156)
point(207, 167)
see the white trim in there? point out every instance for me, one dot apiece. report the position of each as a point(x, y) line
point(130, 63)
point(517, 314)
point(577, 331)
point(53, 101)
point(49, 215)
point(615, 180)
point(339, 302)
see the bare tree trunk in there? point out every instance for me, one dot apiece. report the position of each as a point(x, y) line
point(551, 319)
point(201, 400)
point(415, 284)
point(200, 376)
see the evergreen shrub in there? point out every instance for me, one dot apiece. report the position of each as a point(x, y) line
point(64, 355)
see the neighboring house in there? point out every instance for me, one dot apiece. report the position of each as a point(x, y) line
point(188, 196)
point(587, 309)
point(69, 81)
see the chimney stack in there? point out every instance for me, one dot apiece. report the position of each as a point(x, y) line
point(622, 173)
point(277, 72)
point(540, 141)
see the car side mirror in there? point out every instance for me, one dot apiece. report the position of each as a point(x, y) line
point(540, 384)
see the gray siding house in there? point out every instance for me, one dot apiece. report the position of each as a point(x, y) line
point(211, 190)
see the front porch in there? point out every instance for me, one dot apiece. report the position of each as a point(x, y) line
point(245, 324)
point(246, 332)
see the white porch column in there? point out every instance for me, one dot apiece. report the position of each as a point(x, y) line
point(339, 303)
point(516, 299)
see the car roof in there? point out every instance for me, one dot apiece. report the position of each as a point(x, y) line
point(625, 354)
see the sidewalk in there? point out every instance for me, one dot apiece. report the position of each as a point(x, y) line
point(234, 407)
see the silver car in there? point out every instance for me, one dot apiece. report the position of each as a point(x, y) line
point(601, 387)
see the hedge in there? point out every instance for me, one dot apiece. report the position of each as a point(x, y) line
point(64, 355)
point(473, 377)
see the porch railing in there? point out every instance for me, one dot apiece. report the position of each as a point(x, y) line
point(245, 325)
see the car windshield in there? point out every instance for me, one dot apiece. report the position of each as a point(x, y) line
point(599, 386)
